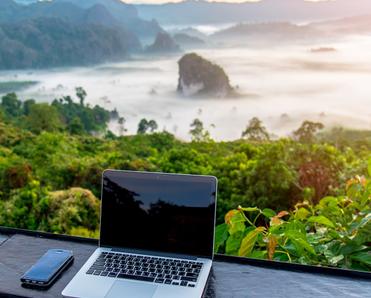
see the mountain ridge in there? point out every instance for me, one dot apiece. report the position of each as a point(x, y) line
point(121, 14)
point(204, 12)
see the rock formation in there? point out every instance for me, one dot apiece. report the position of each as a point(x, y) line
point(198, 76)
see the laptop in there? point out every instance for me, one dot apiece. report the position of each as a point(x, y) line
point(156, 237)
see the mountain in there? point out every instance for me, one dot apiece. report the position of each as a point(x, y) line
point(188, 41)
point(125, 14)
point(53, 42)
point(203, 12)
point(351, 25)
point(267, 32)
point(190, 32)
point(163, 43)
point(105, 12)
point(55, 34)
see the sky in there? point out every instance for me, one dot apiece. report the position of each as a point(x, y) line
point(229, 1)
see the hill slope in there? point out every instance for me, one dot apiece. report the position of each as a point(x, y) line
point(52, 42)
point(120, 14)
point(61, 33)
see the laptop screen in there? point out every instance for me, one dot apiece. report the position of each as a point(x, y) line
point(158, 212)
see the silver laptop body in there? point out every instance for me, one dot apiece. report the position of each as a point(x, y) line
point(156, 237)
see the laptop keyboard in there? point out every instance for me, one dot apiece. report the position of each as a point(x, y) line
point(144, 268)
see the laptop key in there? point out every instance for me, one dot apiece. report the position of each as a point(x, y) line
point(185, 278)
point(159, 280)
point(183, 283)
point(112, 274)
point(168, 281)
point(96, 267)
point(104, 273)
point(90, 271)
point(135, 277)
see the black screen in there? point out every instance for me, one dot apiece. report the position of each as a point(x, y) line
point(48, 265)
point(158, 212)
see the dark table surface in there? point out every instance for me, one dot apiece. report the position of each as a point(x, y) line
point(229, 279)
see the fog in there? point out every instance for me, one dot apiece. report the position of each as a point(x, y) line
point(283, 85)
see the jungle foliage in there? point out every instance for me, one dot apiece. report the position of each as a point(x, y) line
point(50, 175)
point(334, 232)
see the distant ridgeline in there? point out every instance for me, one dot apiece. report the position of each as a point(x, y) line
point(69, 32)
point(210, 12)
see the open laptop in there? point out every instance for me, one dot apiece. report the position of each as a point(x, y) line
point(156, 237)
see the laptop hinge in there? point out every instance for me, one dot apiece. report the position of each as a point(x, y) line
point(154, 253)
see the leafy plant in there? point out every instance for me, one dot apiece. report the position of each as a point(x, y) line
point(335, 232)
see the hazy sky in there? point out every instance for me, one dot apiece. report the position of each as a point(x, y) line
point(231, 1)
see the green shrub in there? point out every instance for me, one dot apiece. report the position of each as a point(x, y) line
point(335, 232)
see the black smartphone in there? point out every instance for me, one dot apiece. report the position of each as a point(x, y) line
point(47, 268)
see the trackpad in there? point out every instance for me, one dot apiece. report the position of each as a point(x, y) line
point(123, 289)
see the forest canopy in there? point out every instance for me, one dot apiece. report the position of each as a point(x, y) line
point(52, 157)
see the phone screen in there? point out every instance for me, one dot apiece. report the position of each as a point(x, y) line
point(47, 265)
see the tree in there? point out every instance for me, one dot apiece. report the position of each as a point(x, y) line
point(2, 114)
point(76, 127)
point(93, 119)
point(43, 117)
point(145, 125)
point(11, 105)
point(81, 94)
point(142, 126)
point(122, 128)
point(256, 131)
point(27, 106)
point(152, 124)
point(198, 132)
point(306, 133)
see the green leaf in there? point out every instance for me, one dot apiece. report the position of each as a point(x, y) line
point(249, 209)
point(351, 247)
point(258, 254)
point(236, 223)
point(363, 257)
point(233, 243)
point(321, 220)
point(249, 241)
point(301, 213)
point(299, 241)
point(307, 246)
point(369, 167)
point(221, 235)
point(335, 260)
point(268, 212)
point(363, 222)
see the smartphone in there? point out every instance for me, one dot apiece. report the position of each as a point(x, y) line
point(47, 268)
